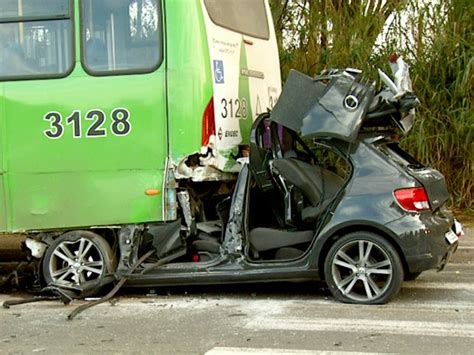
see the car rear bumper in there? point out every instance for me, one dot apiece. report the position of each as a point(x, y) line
point(422, 262)
point(423, 241)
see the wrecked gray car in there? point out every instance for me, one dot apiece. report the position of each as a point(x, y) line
point(327, 193)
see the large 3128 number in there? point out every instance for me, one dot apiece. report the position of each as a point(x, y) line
point(120, 125)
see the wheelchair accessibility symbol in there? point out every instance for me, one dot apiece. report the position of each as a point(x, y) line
point(219, 71)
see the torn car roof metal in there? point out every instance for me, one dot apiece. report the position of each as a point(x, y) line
point(326, 106)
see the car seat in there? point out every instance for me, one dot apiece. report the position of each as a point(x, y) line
point(208, 241)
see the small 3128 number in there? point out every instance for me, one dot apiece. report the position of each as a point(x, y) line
point(119, 126)
point(234, 108)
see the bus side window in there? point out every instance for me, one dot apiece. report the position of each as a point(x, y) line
point(121, 36)
point(96, 52)
point(35, 39)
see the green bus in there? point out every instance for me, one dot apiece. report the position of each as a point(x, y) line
point(108, 107)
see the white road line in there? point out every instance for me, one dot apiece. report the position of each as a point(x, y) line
point(439, 306)
point(267, 351)
point(440, 285)
point(356, 325)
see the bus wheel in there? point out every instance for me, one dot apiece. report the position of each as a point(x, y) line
point(78, 257)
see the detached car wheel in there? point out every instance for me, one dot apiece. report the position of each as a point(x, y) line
point(363, 268)
point(77, 257)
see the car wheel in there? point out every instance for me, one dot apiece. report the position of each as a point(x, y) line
point(364, 268)
point(77, 257)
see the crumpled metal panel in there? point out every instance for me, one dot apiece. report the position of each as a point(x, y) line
point(205, 171)
point(233, 235)
point(327, 106)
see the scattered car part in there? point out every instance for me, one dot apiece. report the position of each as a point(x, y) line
point(7, 304)
point(37, 248)
point(112, 293)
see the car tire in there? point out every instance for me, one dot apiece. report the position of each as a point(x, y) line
point(363, 268)
point(77, 257)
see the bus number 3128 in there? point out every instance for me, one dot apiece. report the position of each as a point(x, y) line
point(119, 123)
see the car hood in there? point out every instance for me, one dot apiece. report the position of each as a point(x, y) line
point(332, 106)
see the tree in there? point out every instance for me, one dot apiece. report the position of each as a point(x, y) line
point(435, 37)
point(317, 34)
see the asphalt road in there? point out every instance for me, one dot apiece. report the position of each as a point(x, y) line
point(433, 314)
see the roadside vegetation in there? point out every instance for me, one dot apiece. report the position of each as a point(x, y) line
point(435, 37)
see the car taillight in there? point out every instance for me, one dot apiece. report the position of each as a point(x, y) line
point(413, 199)
point(208, 123)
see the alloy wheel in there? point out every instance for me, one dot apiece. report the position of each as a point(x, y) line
point(76, 258)
point(363, 267)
